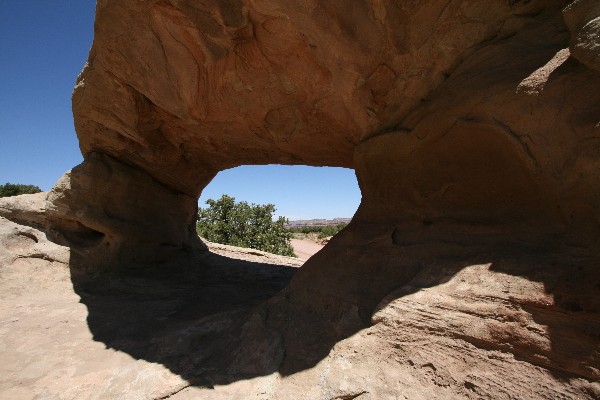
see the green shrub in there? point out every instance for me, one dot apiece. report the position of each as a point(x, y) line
point(244, 225)
point(10, 189)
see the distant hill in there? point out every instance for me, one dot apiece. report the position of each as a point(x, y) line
point(317, 222)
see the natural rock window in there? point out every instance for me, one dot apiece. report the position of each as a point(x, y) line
point(314, 196)
point(473, 128)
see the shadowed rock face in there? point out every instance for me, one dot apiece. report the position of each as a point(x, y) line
point(473, 127)
point(461, 119)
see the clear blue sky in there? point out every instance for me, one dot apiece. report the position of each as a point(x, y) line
point(43, 47)
point(298, 192)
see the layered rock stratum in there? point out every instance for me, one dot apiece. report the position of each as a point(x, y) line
point(470, 269)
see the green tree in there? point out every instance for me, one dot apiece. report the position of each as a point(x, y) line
point(244, 225)
point(11, 189)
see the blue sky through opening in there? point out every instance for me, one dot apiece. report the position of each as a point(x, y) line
point(298, 192)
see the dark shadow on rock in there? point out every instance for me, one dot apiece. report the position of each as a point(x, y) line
point(188, 316)
point(214, 320)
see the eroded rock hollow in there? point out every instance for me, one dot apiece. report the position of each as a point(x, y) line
point(450, 112)
point(473, 128)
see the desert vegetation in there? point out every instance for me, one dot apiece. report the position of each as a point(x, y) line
point(15, 189)
point(242, 224)
point(320, 231)
point(253, 226)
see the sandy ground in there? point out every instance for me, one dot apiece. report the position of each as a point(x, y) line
point(305, 249)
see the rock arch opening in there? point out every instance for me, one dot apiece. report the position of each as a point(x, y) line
point(310, 198)
point(459, 151)
point(472, 144)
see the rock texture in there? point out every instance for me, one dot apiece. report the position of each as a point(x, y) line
point(583, 19)
point(194, 330)
point(474, 130)
point(66, 335)
point(442, 107)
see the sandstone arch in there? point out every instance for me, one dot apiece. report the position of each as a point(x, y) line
point(450, 113)
point(473, 128)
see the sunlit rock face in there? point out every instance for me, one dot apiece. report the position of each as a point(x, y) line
point(473, 127)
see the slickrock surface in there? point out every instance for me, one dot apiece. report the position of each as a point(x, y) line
point(474, 131)
point(458, 330)
point(64, 335)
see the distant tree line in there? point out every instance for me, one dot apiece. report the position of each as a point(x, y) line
point(15, 189)
point(322, 231)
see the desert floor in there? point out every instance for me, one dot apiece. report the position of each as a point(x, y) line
point(305, 248)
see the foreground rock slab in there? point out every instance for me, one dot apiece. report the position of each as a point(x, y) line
point(65, 336)
point(223, 332)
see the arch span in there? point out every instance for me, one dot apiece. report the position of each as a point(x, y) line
point(473, 132)
point(479, 131)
